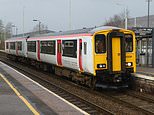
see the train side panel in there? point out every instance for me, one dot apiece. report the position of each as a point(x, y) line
point(12, 49)
point(7, 46)
point(32, 49)
point(16, 47)
point(87, 55)
point(21, 48)
point(48, 51)
point(70, 53)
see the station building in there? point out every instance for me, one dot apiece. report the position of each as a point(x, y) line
point(144, 38)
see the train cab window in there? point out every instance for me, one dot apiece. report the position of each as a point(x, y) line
point(12, 45)
point(129, 43)
point(100, 43)
point(70, 48)
point(19, 45)
point(31, 46)
point(48, 47)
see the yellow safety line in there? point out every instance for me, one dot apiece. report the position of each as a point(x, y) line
point(21, 97)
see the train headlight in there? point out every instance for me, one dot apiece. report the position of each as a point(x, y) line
point(129, 64)
point(101, 65)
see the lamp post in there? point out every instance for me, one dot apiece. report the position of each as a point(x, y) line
point(23, 21)
point(16, 30)
point(126, 15)
point(148, 11)
point(126, 18)
point(147, 47)
point(70, 16)
point(39, 25)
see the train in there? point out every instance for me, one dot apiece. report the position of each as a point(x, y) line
point(96, 57)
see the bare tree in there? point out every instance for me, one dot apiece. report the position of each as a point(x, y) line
point(5, 33)
point(8, 30)
point(42, 28)
point(1, 35)
point(117, 20)
point(1, 30)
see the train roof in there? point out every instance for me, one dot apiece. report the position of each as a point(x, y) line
point(82, 31)
point(91, 30)
point(72, 32)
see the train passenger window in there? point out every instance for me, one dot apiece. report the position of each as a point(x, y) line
point(19, 45)
point(12, 45)
point(100, 43)
point(48, 47)
point(85, 48)
point(70, 48)
point(31, 46)
point(129, 43)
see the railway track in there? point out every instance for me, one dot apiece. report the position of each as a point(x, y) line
point(134, 100)
point(130, 99)
point(83, 104)
point(142, 96)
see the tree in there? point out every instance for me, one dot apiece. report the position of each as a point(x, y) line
point(5, 33)
point(1, 35)
point(8, 30)
point(40, 28)
point(117, 20)
point(1, 30)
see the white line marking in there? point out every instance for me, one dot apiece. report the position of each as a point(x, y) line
point(25, 101)
point(144, 76)
point(85, 113)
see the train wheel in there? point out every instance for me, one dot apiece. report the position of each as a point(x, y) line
point(93, 83)
point(131, 82)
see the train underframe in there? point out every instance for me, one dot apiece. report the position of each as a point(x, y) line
point(103, 79)
point(115, 80)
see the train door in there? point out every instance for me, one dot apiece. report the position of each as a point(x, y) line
point(38, 50)
point(116, 53)
point(16, 44)
point(80, 54)
point(59, 53)
point(9, 46)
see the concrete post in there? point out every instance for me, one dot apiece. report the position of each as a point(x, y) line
point(153, 47)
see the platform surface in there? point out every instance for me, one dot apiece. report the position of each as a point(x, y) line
point(40, 98)
point(145, 70)
point(10, 103)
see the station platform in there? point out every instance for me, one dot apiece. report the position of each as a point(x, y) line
point(19, 95)
point(145, 72)
point(10, 102)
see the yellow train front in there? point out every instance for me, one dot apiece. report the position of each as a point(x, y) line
point(114, 57)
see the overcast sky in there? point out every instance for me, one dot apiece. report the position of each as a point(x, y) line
point(55, 13)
